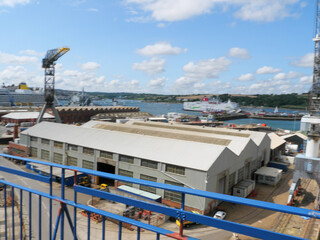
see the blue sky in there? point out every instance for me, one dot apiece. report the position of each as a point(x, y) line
point(161, 46)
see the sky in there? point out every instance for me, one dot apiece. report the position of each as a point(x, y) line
point(161, 46)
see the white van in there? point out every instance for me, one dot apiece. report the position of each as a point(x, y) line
point(9, 125)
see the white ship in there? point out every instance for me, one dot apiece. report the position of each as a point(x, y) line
point(213, 105)
point(21, 96)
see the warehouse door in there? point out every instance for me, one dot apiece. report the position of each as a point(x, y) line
point(222, 185)
point(107, 168)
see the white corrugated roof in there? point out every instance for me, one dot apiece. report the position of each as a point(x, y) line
point(268, 171)
point(300, 135)
point(189, 154)
point(25, 115)
point(238, 140)
point(276, 141)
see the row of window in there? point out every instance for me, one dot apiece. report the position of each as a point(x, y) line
point(58, 158)
point(154, 165)
point(169, 195)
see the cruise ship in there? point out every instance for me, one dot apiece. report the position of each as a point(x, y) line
point(21, 95)
point(213, 105)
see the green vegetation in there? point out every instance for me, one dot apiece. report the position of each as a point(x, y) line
point(293, 100)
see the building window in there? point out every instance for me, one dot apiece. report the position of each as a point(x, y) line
point(149, 164)
point(58, 144)
point(72, 161)
point(240, 174)
point(147, 188)
point(87, 164)
point(33, 139)
point(173, 196)
point(45, 141)
point(45, 155)
point(106, 154)
point(127, 174)
point(127, 159)
point(72, 147)
point(175, 169)
point(88, 151)
point(33, 152)
point(18, 152)
point(232, 178)
point(57, 158)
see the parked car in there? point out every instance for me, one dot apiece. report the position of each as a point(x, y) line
point(220, 215)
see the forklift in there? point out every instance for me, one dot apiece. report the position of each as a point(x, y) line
point(85, 181)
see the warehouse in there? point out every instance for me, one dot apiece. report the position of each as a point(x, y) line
point(210, 159)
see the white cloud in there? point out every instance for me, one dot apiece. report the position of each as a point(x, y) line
point(161, 25)
point(210, 68)
point(117, 85)
point(160, 48)
point(285, 76)
point(265, 10)
point(16, 74)
point(306, 80)
point(245, 77)
point(32, 53)
point(239, 53)
point(157, 83)
point(195, 73)
point(268, 70)
point(250, 10)
point(13, 3)
point(305, 61)
point(14, 59)
point(93, 10)
point(76, 80)
point(153, 66)
point(90, 66)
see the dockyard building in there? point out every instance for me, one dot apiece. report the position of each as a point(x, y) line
point(209, 159)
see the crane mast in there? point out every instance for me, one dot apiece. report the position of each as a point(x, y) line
point(314, 94)
point(48, 63)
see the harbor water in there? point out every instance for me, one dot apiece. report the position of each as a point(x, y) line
point(163, 108)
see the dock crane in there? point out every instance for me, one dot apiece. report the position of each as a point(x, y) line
point(307, 165)
point(48, 63)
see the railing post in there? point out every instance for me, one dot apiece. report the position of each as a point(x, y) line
point(63, 197)
point(5, 212)
point(12, 205)
point(20, 208)
point(181, 215)
point(75, 180)
point(50, 207)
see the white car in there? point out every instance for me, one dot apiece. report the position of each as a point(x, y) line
point(220, 215)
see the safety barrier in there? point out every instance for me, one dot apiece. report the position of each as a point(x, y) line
point(26, 210)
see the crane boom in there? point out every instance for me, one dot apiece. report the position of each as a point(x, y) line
point(53, 55)
point(314, 94)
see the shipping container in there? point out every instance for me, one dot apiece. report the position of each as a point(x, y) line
point(244, 188)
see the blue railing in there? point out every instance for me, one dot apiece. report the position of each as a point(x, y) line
point(51, 231)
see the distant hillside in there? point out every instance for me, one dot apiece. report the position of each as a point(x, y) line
point(293, 100)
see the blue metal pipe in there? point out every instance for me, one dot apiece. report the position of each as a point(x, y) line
point(195, 192)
